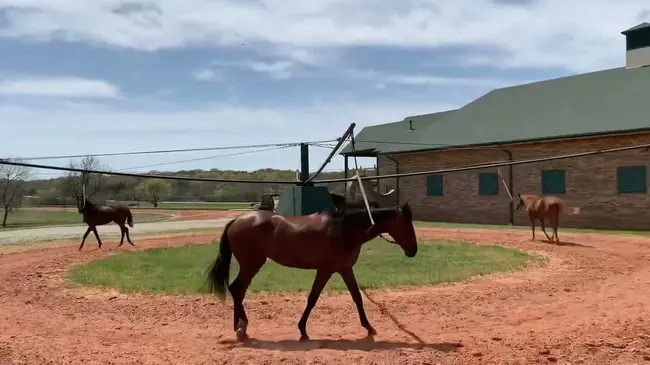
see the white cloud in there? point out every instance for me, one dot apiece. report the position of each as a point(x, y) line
point(279, 70)
point(381, 79)
point(206, 74)
point(580, 34)
point(71, 87)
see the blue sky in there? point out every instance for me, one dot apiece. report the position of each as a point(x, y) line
point(114, 75)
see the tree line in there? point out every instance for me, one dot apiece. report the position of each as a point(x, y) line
point(68, 189)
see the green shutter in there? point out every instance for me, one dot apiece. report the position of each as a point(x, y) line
point(488, 183)
point(553, 182)
point(434, 185)
point(631, 180)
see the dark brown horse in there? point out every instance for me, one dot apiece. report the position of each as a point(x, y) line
point(340, 202)
point(328, 242)
point(96, 215)
point(548, 206)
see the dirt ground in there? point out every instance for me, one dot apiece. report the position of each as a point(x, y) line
point(590, 305)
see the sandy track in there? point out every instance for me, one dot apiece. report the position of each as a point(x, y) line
point(589, 306)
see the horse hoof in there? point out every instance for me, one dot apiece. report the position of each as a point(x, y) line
point(304, 338)
point(241, 335)
point(372, 332)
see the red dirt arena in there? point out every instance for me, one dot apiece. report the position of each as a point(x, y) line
point(588, 306)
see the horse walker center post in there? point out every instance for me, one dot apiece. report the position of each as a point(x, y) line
point(305, 198)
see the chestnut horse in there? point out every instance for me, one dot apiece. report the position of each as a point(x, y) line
point(328, 242)
point(96, 215)
point(548, 206)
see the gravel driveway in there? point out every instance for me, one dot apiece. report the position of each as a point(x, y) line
point(77, 231)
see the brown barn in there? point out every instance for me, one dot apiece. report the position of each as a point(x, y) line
point(580, 113)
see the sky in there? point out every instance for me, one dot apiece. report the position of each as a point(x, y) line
point(101, 76)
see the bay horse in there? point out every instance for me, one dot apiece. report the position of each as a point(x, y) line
point(96, 215)
point(548, 206)
point(328, 242)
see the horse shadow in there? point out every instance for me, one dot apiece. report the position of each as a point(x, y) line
point(567, 243)
point(362, 344)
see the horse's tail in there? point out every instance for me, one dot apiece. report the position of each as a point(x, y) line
point(570, 210)
point(573, 210)
point(219, 271)
point(129, 217)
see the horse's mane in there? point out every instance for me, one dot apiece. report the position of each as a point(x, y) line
point(360, 215)
point(89, 204)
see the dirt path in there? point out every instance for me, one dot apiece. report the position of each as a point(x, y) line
point(77, 231)
point(589, 306)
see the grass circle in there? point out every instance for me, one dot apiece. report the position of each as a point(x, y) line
point(181, 270)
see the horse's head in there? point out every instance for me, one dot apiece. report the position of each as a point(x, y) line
point(525, 200)
point(400, 227)
point(519, 202)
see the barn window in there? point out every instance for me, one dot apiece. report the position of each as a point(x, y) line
point(631, 180)
point(553, 182)
point(488, 183)
point(434, 185)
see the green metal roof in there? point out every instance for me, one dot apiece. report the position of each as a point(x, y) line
point(391, 137)
point(603, 102)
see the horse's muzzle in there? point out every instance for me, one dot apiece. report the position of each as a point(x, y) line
point(410, 254)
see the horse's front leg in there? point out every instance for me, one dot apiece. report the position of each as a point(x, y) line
point(322, 277)
point(353, 287)
point(83, 240)
point(99, 241)
point(544, 230)
point(532, 226)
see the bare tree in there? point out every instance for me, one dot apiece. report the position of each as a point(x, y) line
point(12, 179)
point(77, 180)
point(153, 191)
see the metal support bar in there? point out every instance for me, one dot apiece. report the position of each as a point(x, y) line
point(346, 169)
point(304, 162)
point(348, 132)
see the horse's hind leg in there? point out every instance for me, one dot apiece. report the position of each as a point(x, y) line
point(353, 287)
point(122, 236)
point(125, 231)
point(322, 277)
point(237, 288)
point(128, 237)
point(555, 222)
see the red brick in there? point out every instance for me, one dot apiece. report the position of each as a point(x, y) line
point(590, 183)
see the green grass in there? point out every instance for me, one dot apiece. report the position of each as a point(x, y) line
point(538, 229)
point(31, 218)
point(192, 205)
point(381, 265)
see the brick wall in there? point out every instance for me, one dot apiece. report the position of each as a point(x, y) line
point(590, 183)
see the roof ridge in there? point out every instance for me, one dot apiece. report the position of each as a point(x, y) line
point(555, 79)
